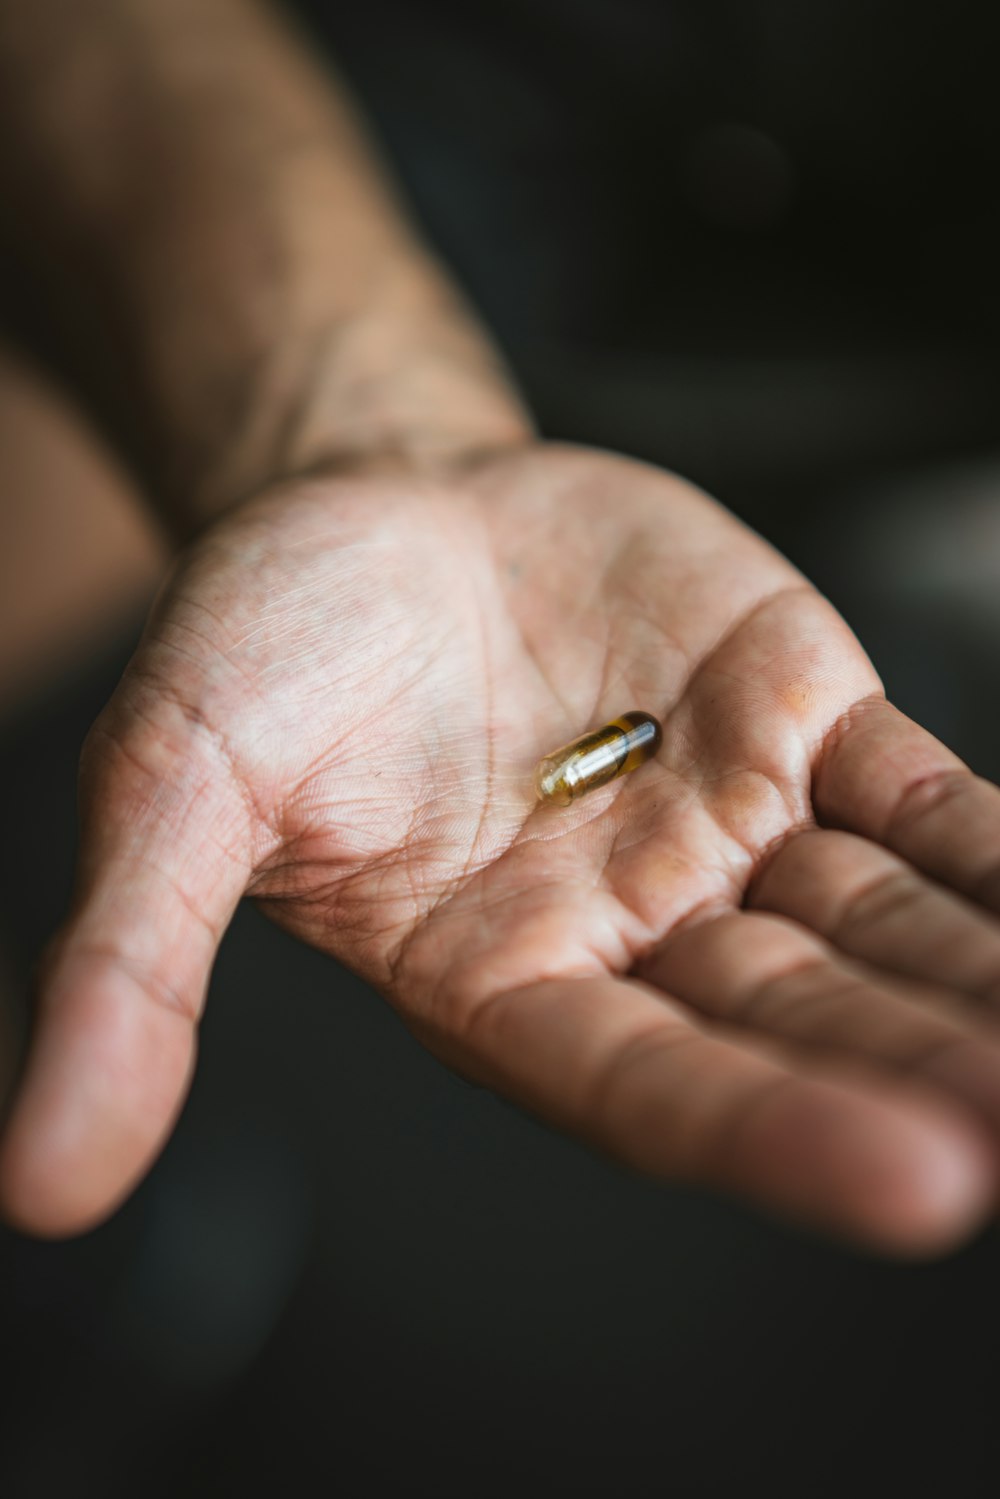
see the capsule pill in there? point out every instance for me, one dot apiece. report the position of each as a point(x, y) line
point(597, 758)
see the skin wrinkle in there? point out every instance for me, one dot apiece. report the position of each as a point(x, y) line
point(604, 684)
point(909, 890)
point(532, 652)
point(212, 930)
point(769, 853)
point(920, 795)
point(121, 749)
point(407, 840)
point(493, 906)
point(743, 621)
point(944, 1031)
point(922, 1061)
point(923, 797)
point(147, 979)
point(719, 732)
point(832, 740)
point(767, 996)
point(202, 639)
point(651, 1039)
point(551, 686)
point(844, 922)
point(467, 1016)
point(797, 815)
point(711, 1159)
point(284, 605)
point(657, 934)
point(816, 962)
point(883, 896)
point(705, 910)
point(329, 748)
point(206, 730)
point(336, 744)
point(317, 351)
point(470, 866)
point(739, 881)
point(671, 647)
point(703, 1153)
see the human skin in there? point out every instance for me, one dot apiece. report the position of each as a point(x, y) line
point(768, 961)
point(56, 481)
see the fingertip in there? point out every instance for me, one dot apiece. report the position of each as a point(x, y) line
point(907, 1176)
point(34, 1201)
point(933, 1188)
point(100, 1093)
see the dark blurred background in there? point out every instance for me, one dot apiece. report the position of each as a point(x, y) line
point(755, 241)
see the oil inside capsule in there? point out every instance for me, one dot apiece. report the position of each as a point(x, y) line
point(597, 758)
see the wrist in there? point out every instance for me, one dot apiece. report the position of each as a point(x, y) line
point(409, 381)
point(236, 292)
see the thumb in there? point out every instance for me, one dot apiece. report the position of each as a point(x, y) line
point(164, 860)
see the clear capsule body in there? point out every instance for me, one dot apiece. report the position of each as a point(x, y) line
point(597, 758)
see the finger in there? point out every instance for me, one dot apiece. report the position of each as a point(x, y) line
point(884, 777)
point(873, 905)
point(774, 977)
point(162, 867)
point(617, 1064)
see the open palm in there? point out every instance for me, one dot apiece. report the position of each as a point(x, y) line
point(337, 708)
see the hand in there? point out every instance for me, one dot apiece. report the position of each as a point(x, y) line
point(337, 709)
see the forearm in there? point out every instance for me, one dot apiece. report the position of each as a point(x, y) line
point(258, 304)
